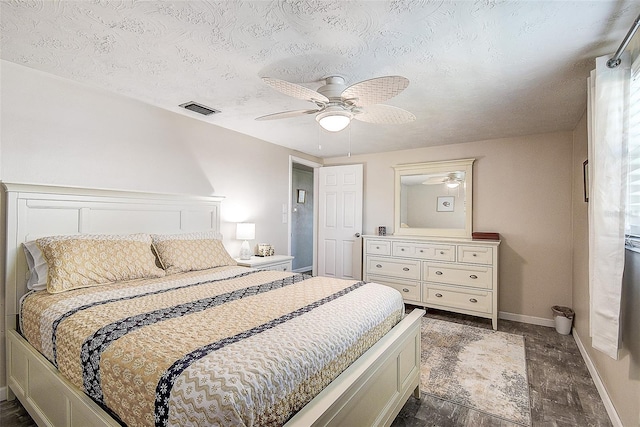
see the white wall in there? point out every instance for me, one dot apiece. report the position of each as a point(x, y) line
point(59, 132)
point(426, 215)
point(522, 190)
point(621, 378)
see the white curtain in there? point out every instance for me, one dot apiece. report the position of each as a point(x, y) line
point(608, 94)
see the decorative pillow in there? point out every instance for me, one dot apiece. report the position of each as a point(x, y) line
point(89, 260)
point(38, 269)
point(192, 251)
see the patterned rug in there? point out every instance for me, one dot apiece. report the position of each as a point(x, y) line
point(478, 368)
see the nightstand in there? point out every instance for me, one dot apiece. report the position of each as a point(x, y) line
point(274, 262)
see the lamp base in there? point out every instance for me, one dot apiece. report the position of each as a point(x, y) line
point(245, 251)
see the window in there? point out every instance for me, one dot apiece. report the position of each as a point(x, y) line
point(633, 184)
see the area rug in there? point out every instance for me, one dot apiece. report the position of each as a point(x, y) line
point(478, 368)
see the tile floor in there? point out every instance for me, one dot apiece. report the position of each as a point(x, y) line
point(561, 390)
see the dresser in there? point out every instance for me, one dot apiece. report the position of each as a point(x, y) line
point(274, 262)
point(459, 275)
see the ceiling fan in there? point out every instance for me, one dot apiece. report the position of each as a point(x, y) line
point(337, 104)
point(451, 180)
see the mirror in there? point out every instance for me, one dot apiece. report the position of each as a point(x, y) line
point(434, 198)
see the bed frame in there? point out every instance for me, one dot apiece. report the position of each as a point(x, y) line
point(370, 392)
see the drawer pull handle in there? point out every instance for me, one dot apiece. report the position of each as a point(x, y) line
point(475, 254)
point(439, 273)
point(405, 290)
point(473, 300)
point(402, 249)
point(377, 247)
point(406, 269)
point(421, 251)
point(439, 295)
point(378, 266)
point(473, 276)
point(441, 252)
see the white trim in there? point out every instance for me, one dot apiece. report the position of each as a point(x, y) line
point(3, 394)
point(527, 319)
point(303, 269)
point(608, 404)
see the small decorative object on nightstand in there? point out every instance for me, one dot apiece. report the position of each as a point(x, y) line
point(275, 262)
point(265, 249)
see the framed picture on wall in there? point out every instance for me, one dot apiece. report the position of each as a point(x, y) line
point(302, 196)
point(445, 204)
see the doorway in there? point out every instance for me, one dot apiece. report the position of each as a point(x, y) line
point(302, 214)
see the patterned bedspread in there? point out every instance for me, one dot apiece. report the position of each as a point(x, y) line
point(226, 346)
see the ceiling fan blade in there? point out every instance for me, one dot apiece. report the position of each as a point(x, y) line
point(385, 114)
point(295, 90)
point(375, 91)
point(434, 180)
point(286, 114)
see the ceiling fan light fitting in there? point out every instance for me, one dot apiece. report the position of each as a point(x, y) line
point(334, 120)
point(452, 181)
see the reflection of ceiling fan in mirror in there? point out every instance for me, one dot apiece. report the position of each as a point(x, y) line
point(451, 180)
point(337, 104)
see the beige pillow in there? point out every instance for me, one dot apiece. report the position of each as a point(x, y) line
point(192, 251)
point(89, 260)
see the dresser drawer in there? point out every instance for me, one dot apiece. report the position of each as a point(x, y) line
point(407, 269)
point(475, 254)
point(424, 251)
point(378, 247)
point(409, 290)
point(467, 275)
point(466, 299)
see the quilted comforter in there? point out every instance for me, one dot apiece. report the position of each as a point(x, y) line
point(226, 346)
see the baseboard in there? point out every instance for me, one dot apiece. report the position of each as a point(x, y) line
point(526, 319)
point(3, 394)
point(303, 269)
point(608, 404)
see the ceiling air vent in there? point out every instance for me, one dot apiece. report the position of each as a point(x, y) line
point(199, 108)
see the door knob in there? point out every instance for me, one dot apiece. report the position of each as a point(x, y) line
point(357, 234)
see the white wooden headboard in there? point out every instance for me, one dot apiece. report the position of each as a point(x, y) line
point(34, 211)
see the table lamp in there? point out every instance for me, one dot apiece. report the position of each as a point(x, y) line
point(245, 231)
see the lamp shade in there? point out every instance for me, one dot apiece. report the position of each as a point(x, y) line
point(334, 119)
point(245, 231)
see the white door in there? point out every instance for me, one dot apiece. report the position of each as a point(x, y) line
point(340, 222)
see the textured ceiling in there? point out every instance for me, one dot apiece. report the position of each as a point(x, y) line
point(478, 69)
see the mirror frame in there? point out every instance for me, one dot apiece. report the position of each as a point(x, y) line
point(429, 168)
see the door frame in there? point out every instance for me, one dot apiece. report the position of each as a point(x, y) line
point(315, 165)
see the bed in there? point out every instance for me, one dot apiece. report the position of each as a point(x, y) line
point(380, 376)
